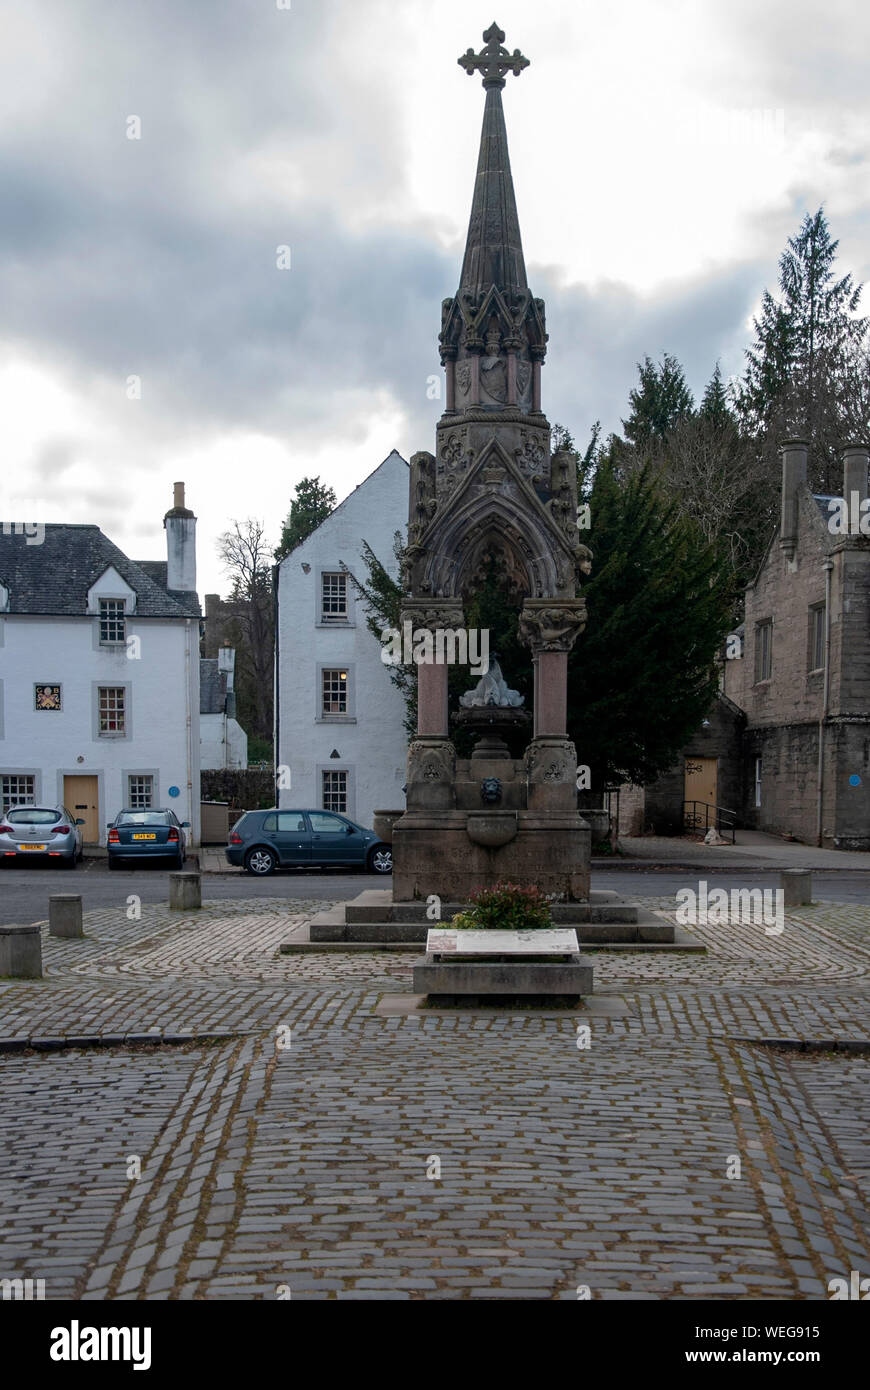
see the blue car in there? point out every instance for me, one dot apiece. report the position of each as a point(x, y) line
point(263, 841)
point(147, 835)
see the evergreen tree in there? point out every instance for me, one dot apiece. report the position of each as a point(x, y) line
point(643, 675)
point(312, 504)
point(661, 400)
point(808, 345)
point(715, 407)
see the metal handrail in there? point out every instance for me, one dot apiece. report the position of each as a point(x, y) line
point(724, 820)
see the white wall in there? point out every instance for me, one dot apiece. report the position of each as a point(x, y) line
point(223, 743)
point(371, 742)
point(162, 709)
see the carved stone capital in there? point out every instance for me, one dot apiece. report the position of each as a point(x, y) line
point(432, 614)
point(552, 625)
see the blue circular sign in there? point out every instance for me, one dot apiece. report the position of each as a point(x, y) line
point(854, 780)
point(173, 791)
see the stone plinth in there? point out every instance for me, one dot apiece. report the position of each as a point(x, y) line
point(20, 953)
point(433, 853)
point(65, 915)
point(565, 980)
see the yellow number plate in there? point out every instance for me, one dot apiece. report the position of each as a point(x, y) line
point(34, 847)
point(144, 837)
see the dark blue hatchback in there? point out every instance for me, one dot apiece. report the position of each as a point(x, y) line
point(264, 841)
point(147, 835)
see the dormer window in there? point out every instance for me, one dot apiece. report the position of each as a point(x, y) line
point(113, 622)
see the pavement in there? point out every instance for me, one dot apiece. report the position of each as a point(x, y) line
point(301, 1144)
point(753, 849)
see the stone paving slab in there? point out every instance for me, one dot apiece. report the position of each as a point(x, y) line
point(331, 1152)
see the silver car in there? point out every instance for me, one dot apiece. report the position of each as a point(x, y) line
point(41, 832)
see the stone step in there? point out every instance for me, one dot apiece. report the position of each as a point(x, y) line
point(374, 906)
point(329, 927)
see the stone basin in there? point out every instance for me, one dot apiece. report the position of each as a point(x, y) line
point(491, 828)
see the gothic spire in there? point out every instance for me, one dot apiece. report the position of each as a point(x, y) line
point(494, 251)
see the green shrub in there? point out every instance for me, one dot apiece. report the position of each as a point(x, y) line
point(506, 907)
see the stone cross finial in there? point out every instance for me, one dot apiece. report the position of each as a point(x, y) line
point(493, 61)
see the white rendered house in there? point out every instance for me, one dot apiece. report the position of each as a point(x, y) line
point(339, 727)
point(223, 742)
point(99, 673)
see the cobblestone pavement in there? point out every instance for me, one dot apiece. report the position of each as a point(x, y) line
point(443, 1155)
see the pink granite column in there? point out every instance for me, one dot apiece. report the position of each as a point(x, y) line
point(551, 694)
point(450, 369)
point(432, 699)
point(512, 379)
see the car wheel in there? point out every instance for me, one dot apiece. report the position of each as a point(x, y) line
point(381, 860)
point(71, 862)
point(260, 861)
point(114, 863)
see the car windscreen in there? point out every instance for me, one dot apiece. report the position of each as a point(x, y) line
point(34, 816)
point(143, 818)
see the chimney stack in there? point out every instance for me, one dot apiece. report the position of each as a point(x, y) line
point(794, 476)
point(856, 458)
point(180, 526)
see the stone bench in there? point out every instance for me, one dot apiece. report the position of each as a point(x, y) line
point(21, 953)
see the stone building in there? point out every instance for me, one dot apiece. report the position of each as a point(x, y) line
point(787, 745)
point(99, 673)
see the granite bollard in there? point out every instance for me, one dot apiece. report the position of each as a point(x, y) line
point(21, 952)
point(65, 915)
point(797, 887)
point(185, 891)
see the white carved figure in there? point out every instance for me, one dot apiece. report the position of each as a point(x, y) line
point(491, 689)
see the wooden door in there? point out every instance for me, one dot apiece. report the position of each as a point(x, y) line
point(81, 798)
point(701, 775)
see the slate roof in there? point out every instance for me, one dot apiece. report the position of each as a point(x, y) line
point(54, 577)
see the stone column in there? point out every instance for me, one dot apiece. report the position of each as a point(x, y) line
point(432, 712)
point(551, 627)
point(432, 615)
point(536, 387)
point(450, 371)
point(551, 693)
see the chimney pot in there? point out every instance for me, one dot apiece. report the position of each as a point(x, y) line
point(178, 502)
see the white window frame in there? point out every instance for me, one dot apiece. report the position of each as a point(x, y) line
point(20, 799)
point(332, 618)
point(133, 799)
point(326, 774)
point(122, 732)
point(113, 614)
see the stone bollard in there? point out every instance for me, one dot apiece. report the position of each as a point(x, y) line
point(185, 891)
point(65, 915)
point(797, 887)
point(21, 953)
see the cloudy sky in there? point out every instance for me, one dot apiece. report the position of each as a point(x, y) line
point(663, 151)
